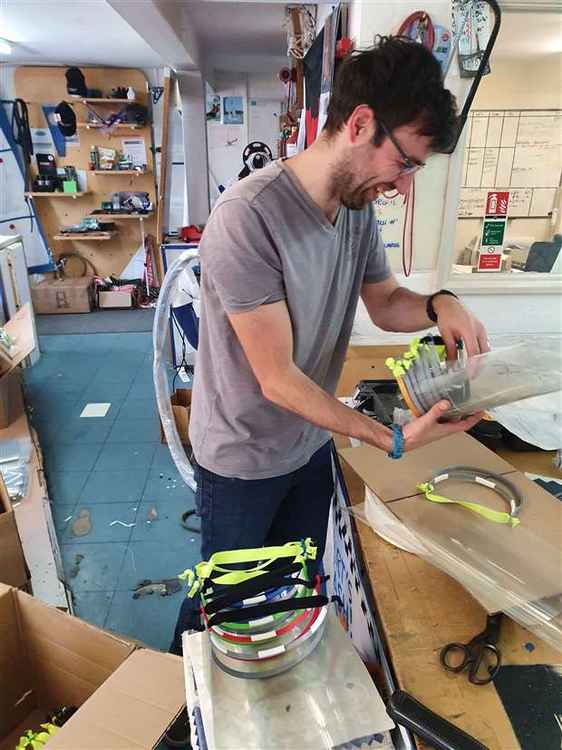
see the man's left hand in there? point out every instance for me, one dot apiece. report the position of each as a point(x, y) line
point(456, 322)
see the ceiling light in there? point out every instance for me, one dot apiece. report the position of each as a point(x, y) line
point(5, 47)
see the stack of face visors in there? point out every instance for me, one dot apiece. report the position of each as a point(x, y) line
point(424, 379)
point(263, 612)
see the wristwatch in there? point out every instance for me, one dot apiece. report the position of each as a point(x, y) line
point(431, 314)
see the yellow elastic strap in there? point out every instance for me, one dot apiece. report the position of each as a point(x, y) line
point(491, 515)
point(36, 740)
point(299, 551)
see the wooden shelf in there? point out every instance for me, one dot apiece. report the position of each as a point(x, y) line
point(107, 100)
point(113, 172)
point(118, 217)
point(86, 236)
point(120, 126)
point(57, 195)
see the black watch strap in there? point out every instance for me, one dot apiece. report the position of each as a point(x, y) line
point(431, 314)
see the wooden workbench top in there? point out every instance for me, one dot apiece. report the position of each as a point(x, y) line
point(421, 609)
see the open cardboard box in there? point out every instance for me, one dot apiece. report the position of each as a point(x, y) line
point(181, 407)
point(127, 696)
point(13, 568)
point(530, 552)
point(20, 328)
point(392, 480)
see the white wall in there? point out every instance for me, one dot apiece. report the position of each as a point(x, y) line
point(262, 94)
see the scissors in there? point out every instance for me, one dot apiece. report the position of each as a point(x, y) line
point(480, 656)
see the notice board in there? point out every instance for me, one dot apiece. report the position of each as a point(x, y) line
point(515, 150)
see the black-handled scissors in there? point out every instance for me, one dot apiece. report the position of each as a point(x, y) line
point(480, 656)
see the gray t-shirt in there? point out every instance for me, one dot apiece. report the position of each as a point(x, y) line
point(266, 240)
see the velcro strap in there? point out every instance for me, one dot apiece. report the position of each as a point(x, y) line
point(258, 585)
point(270, 608)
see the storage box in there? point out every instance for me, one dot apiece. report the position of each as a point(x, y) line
point(181, 407)
point(126, 697)
point(63, 296)
point(13, 568)
point(115, 299)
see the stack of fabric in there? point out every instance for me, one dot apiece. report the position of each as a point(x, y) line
point(262, 610)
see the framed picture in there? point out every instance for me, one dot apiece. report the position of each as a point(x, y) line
point(213, 108)
point(232, 110)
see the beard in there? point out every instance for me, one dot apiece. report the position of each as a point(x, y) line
point(354, 195)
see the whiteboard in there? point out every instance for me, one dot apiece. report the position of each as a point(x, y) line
point(389, 213)
point(515, 150)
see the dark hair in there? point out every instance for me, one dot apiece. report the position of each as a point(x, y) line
point(402, 83)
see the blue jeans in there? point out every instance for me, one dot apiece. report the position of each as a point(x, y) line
point(245, 513)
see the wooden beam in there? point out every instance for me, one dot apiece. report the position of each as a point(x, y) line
point(163, 176)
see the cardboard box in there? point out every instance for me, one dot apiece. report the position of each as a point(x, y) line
point(526, 559)
point(127, 697)
point(11, 398)
point(181, 407)
point(13, 568)
point(366, 363)
point(20, 328)
point(539, 572)
point(114, 299)
point(63, 296)
point(392, 480)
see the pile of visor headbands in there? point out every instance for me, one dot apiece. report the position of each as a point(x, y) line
point(473, 384)
point(416, 372)
point(262, 611)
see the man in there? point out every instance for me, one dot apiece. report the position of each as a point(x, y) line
point(285, 255)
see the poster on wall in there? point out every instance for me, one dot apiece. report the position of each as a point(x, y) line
point(233, 110)
point(213, 108)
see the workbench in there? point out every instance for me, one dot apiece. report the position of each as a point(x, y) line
point(419, 609)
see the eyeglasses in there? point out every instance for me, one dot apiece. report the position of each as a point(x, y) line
point(409, 163)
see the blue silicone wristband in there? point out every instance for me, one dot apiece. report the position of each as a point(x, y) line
point(397, 442)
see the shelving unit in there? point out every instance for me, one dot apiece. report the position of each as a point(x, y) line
point(57, 195)
point(115, 172)
point(98, 125)
point(119, 217)
point(109, 252)
point(85, 236)
point(106, 101)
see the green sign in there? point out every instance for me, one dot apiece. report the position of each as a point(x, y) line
point(493, 232)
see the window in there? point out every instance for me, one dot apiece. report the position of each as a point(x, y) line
point(508, 215)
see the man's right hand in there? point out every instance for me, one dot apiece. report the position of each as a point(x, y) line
point(427, 429)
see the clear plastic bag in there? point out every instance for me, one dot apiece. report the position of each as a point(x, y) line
point(327, 701)
point(14, 460)
point(514, 570)
point(501, 376)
